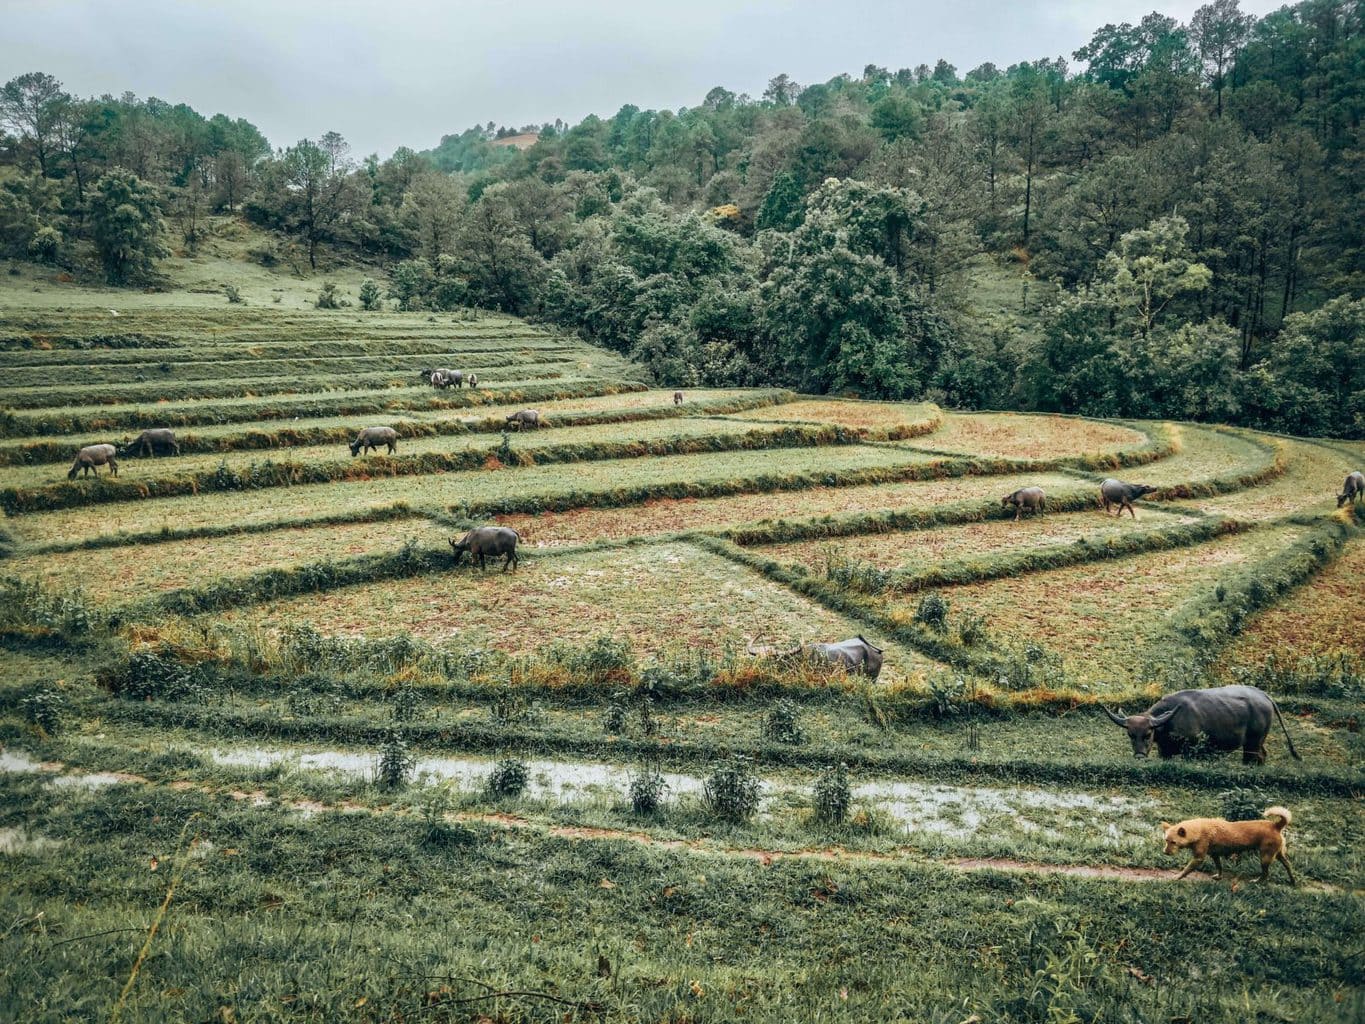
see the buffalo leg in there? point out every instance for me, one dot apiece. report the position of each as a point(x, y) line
point(113, 467)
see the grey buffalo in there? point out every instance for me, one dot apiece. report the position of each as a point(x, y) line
point(159, 440)
point(1224, 717)
point(1116, 492)
point(371, 438)
point(92, 456)
point(485, 541)
point(443, 378)
point(855, 656)
point(677, 398)
point(525, 418)
point(1025, 498)
point(1353, 490)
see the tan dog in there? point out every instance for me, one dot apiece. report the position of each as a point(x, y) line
point(1217, 838)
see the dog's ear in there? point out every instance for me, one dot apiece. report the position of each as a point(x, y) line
point(1180, 831)
point(1165, 826)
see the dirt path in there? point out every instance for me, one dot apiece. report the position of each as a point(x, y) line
point(697, 847)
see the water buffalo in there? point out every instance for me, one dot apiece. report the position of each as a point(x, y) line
point(1116, 492)
point(1224, 717)
point(153, 442)
point(488, 540)
point(371, 438)
point(526, 418)
point(91, 456)
point(1025, 497)
point(1353, 490)
point(443, 378)
point(677, 398)
point(855, 656)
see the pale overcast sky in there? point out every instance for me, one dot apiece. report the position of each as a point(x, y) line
point(405, 72)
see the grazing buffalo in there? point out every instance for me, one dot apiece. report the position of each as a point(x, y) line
point(488, 540)
point(158, 441)
point(525, 418)
point(855, 656)
point(1025, 498)
point(1224, 717)
point(91, 456)
point(1116, 492)
point(371, 438)
point(443, 378)
point(1353, 490)
point(677, 398)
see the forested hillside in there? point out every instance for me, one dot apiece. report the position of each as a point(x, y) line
point(1167, 223)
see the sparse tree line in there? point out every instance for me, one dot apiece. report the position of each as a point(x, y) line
point(1182, 203)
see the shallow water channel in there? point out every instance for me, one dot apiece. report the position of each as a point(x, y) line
point(952, 812)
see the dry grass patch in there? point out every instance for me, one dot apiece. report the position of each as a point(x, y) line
point(669, 515)
point(1321, 617)
point(918, 549)
point(1019, 436)
point(1310, 484)
point(1204, 454)
point(663, 597)
point(122, 575)
point(878, 417)
point(1101, 616)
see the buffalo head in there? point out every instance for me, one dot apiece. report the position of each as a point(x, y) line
point(1141, 729)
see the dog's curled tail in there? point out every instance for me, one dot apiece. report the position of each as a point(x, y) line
point(1280, 816)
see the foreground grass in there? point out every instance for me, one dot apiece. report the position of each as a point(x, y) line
point(646, 933)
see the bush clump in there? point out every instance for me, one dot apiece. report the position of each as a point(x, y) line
point(508, 778)
point(43, 710)
point(732, 789)
point(832, 796)
point(647, 787)
point(782, 724)
point(396, 762)
point(932, 611)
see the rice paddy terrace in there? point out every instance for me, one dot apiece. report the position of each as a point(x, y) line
point(249, 698)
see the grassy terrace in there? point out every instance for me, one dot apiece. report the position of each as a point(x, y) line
point(1018, 436)
point(443, 491)
point(681, 597)
point(1100, 617)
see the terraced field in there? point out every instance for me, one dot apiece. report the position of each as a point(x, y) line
point(255, 669)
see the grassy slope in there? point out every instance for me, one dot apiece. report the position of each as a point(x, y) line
point(279, 910)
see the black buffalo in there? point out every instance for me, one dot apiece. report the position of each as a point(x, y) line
point(485, 541)
point(158, 440)
point(1223, 717)
point(855, 656)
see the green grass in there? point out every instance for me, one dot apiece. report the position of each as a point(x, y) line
point(312, 896)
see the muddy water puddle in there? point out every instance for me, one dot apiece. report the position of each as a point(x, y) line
point(954, 812)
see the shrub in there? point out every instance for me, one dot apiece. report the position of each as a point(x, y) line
point(371, 298)
point(43, 709)
point(234, 296)
point(510, 708)
point(1244, 803)
point(617, 709)
point(932, 611)
point(946, 694)
point(328, 297)
point(781, 724)
point(649, 725)
point(731, 791)
point(405, 705)
point(647, 788)
point(439, 832)
point(508, 778)
point(832, 796)
point(1029, 667)
point(396, 761)
point(971, 629)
